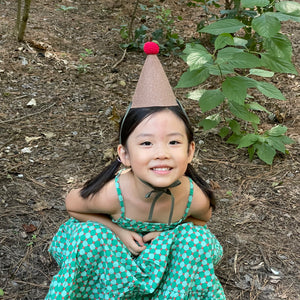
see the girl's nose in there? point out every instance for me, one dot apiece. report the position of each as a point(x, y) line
point(162, 152)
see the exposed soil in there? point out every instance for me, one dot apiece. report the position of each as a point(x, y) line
point(70, 134)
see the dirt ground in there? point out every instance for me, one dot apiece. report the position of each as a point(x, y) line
point(58, 121)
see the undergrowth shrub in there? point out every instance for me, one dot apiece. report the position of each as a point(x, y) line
point(248, 48)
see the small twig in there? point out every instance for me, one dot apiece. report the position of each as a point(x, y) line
point(33, 284)
point(119, 61)
point(27, 116)
point(235, 260)
point(267, 265)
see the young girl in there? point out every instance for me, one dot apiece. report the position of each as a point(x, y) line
point(131, 235)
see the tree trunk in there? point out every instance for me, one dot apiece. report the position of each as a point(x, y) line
point(18, 16)
point(24, 20)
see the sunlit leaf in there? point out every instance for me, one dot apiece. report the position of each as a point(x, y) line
point(253, 3)
point(262, 73)
point(289, 7)
point(266, 26)
point(223, 26)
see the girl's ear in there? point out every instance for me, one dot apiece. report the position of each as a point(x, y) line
point(191, 151)
point(123, 154)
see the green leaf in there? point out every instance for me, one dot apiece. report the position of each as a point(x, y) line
point(257, 106)
point(235, 89)
point(223, 26)
point(235, 127)
point(269, 90)
point(286, 140)
point(283, 17)
point(262, 73)
point(1, 293)
point(196, 95)
point(248, 140)
point(266, 153)
point(277, 64)
point(240, 42)
point(223, 40)
point(279, 45)
point(276, 143)
point(251, 152)
point(277, 130)
point(211, 99)
point(241, 112)
point(245, 60)
point(266, 26)
point(197, 60)
point(253, 3)
point(226, 54)
point(234, 139)
point(220, 69)
point(191, 48)
point(192, 78)
point(224, 131)
point(210, 122)
point(289, 7)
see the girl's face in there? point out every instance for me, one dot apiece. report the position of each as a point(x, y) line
point(157, 150)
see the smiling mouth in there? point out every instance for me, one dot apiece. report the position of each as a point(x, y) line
point(161, 169)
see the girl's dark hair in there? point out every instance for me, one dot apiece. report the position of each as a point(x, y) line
point(132, 119)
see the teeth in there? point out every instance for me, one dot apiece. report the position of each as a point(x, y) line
point(161, 169)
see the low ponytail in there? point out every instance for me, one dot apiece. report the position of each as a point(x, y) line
point(95, 184)
point(204, 186)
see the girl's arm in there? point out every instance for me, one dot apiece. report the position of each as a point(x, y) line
point(93, 209)
point(200, 210)
point(195, 221)
point(104, 202)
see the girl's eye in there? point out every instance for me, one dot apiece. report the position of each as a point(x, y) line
point(146, 143)
point(174, 142)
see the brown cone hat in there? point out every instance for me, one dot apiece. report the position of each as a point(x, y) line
point(153, 87)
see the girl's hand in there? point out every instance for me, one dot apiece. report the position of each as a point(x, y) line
point(132, 240)
point(149, 237)
point(195, 221)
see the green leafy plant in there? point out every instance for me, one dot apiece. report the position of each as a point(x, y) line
point(229, 194)
point(82, 67)
point(237, 67)
point(33, 239)
point(164, 35)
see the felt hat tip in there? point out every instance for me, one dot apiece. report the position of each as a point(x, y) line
point(151, 48)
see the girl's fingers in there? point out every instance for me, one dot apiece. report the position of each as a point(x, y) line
point(150, 236)
point(139, 240)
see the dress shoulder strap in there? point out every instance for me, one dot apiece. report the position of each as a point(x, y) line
point(121, 200)
point(189, 200)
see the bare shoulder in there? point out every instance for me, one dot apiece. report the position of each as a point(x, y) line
point(104, 201)
point(200, 207)
point(108, 197)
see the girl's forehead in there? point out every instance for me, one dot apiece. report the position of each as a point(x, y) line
point(161, 120)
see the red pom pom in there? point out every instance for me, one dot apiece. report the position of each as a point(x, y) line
point(151, 48)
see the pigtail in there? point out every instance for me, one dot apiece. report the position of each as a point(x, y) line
point(204, 186)
point(95, 184)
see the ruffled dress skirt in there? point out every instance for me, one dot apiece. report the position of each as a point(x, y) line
point(95, 264)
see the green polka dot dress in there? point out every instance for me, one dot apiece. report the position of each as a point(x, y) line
point(95, 264)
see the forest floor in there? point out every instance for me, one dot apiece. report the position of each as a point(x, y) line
point(59, 110)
